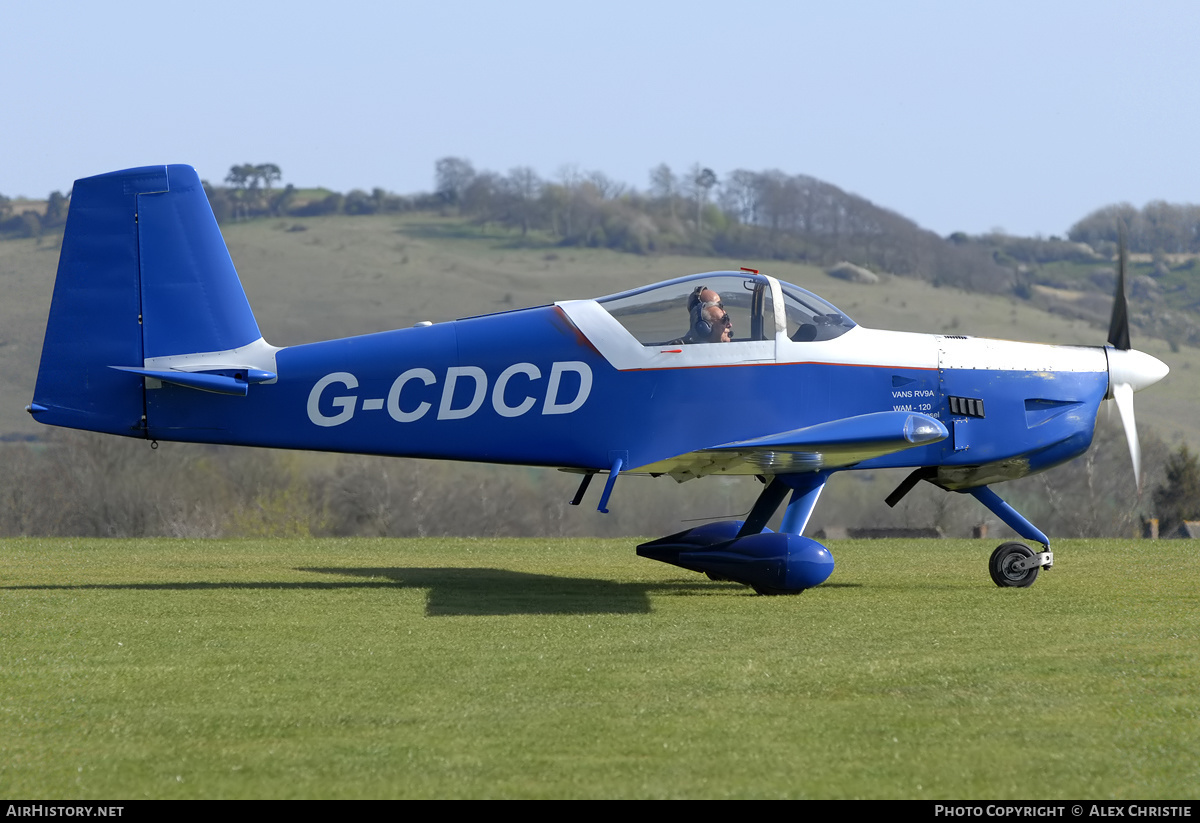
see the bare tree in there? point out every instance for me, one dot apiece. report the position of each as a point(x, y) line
point(605, 186)
point(523, 186)
point(452, 176)
point(664, 186)
point(701, 182)
point(739, 196)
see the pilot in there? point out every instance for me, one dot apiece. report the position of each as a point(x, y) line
point(710, 322)
point(720, 327)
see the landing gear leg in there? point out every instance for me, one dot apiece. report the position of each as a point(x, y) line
point(771, 563)
point(1014, 564)
point(765, 507)
point(805, 489)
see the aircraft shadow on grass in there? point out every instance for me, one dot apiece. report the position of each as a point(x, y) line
point(464, 591)
point(481, 591)
point(452, 591)
point(467, 591)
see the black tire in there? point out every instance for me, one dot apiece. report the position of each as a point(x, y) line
point(1001, 566)
point(767, 591)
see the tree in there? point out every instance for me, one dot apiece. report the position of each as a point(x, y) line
point(605, 186)
point(358, 202)
point(239, 178)
point(31, 224)
point(483, 197)
point(219, 200)
point(739, 196)
point(1178, 498)
point(250, 181)
point(282, 203)
point(269, 173)
point(664, 186)
point(452, 177)
point(700, 183)
point(56, 210)
point(523, 187)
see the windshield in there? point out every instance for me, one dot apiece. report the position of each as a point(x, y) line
point(809, 318)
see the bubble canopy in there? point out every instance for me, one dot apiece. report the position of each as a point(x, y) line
point(660, 314)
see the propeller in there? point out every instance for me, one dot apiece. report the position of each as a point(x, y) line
point(1129, 370)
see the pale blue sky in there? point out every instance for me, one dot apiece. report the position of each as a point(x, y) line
point(961, 116)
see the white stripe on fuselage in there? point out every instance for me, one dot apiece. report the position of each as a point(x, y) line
point(1010, 355)
point(858, 346)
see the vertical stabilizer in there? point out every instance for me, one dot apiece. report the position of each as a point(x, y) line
point(143, 273)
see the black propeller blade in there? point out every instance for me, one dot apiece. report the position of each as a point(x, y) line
point(1118, 327)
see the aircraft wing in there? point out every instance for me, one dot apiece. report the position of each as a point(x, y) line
point(830, 445)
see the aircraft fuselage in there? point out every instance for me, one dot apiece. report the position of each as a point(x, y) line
point(528, 387)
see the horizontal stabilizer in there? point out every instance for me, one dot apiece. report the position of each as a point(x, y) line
point(225, 381)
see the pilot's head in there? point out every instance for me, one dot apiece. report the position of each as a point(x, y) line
point(702, 296)
point(721, 327)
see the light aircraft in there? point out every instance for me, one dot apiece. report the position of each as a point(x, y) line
point(150, 335)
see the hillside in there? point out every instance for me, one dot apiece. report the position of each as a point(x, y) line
point(767, 215)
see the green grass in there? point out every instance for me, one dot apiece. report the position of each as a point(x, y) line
point(572, 668)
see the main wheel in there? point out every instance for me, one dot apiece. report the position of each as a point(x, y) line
point(768, 591)
point(1001, 566)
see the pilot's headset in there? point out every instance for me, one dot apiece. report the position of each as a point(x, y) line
point(702, 328)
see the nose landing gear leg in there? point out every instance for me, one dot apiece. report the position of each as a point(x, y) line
point(1014, 565)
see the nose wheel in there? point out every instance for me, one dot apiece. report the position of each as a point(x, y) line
point(1015, 565)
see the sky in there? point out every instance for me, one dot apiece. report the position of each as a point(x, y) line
point(963, 116)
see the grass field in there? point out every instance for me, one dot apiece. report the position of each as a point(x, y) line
point(572, 668)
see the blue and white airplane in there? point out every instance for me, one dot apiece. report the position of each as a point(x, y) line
point(150, 335)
